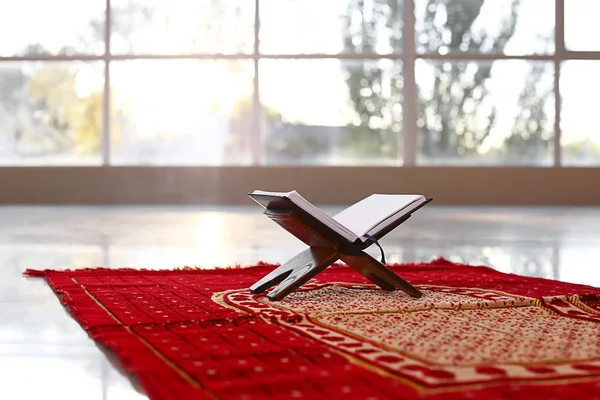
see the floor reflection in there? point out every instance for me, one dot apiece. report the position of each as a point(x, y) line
point(40, 342)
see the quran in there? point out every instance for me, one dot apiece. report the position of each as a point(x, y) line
point(342, 236)
point(368, 217)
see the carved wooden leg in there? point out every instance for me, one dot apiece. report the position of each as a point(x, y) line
point(296, 271)
point(375, 271)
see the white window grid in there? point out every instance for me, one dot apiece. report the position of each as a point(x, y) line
point(408, 56)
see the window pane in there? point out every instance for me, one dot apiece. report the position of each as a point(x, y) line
point(332, 112)
point(581, 25)
point(181, 26)
point(509, 27)
point(579, 86)
point(331, 26)
point(50, 113)
point(499, 112)
point(29, 27)
point(181, 112)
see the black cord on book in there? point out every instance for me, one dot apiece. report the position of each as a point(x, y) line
point(372, 239)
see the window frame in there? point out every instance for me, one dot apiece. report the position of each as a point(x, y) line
point(147, 177)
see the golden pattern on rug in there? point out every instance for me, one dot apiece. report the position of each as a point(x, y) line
point(449, 337)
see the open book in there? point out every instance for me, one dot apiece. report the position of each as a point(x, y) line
point(369, 216)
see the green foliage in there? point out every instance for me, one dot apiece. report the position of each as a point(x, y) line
point(375, 88)
point(44, 114)
point(66, 120)
point(455, 117)
point(459, 88)
point(61, 119)
point(533, 132)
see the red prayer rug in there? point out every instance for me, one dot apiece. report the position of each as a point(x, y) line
point(475, 333)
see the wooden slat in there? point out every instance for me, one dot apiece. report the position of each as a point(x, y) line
point(322, 185)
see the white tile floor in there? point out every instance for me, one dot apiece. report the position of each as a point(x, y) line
point(45, 354)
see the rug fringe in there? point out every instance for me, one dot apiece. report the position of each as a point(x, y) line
point(440, 261)
point(40, 273)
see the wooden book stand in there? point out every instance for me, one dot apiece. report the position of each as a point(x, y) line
point(326, 246)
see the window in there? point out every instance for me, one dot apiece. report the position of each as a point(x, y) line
point(469, 115)
point(332, 112)
point(51, 112)
point(180, 112)
point(299, 82)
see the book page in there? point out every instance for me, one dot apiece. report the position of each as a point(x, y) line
point(276, 194)
point(361, 217)
point(395, 217)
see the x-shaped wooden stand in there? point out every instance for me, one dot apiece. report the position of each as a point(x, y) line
point(325, 248)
